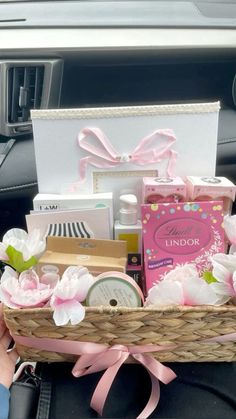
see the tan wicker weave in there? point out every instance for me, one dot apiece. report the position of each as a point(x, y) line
point(185, 327)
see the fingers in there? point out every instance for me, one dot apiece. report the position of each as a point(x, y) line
point(2, 328)
point(13, 355)
point(2, 323)
point(5, 340)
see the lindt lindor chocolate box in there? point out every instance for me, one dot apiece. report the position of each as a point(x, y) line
point(174, 234)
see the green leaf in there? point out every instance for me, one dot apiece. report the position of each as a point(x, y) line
point(209, 278)
point(17, 262)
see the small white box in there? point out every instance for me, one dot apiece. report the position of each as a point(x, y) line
point(85, 223)
point(54, 202)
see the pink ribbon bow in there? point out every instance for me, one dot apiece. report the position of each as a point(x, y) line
point(111, 360)
point(103, 155)
point(96, 357)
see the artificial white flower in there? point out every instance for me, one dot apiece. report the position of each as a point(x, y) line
point(68, 295)
point(20, 249)
point(179, 290)
point(224, 271)
point(230, 231)
point(187, 270)
point(228, 261)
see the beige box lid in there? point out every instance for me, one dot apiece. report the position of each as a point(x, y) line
point(97, 255)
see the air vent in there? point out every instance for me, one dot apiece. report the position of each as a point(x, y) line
point(26, 85)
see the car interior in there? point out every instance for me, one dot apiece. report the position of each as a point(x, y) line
point(99, 59)
point(114, 78)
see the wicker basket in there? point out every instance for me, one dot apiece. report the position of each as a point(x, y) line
point(185, 327)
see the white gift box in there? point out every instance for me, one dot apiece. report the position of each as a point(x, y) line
point(75, 146)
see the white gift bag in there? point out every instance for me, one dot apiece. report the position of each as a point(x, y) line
point(99, 149)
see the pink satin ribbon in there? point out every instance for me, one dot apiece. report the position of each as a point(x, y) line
point(103, 155)
point(95, 357)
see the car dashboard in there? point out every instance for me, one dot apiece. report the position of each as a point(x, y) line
point(109, 66)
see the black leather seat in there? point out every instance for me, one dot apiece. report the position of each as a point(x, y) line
point(226, 150)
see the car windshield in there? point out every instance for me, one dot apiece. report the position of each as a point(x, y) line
point(112, 13)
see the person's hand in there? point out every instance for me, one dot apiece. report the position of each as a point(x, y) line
point(7, 358)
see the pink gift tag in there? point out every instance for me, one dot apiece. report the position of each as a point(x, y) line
point(178, 233)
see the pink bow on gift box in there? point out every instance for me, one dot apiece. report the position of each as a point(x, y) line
point(103, 155)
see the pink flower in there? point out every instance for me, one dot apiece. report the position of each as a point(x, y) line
point(228, 261)
point(68, 295)
point(26, 290)
point(3, 256)
point(224, 271)
point(190, 291)
point(230, 231)
point(181, 272)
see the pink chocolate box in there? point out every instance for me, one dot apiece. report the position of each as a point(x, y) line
point(178, 233)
